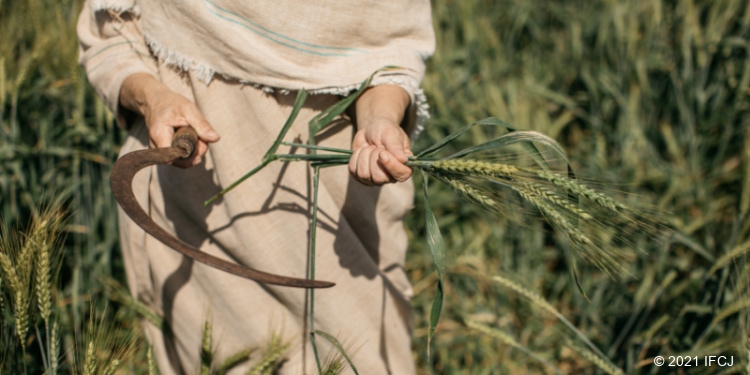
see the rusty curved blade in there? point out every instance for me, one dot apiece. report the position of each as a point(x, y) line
point(183, 145)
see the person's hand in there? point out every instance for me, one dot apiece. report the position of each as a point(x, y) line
point(165, 110)
point(380, 148)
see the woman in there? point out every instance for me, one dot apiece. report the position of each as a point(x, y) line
point(231, 71)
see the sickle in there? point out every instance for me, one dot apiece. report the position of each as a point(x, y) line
point(183, 145)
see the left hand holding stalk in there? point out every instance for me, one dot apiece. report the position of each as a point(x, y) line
point(381, 147)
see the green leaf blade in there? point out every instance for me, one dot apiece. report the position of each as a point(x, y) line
point(437, 248)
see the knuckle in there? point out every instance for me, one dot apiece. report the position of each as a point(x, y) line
point(364, 173)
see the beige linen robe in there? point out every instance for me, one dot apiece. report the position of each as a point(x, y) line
point(264, 223)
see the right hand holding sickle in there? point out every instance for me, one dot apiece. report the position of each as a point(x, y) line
point(165, 110)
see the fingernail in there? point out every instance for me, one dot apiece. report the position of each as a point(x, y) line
point(212, 135)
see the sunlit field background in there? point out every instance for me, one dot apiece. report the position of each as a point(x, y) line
point(649, 98)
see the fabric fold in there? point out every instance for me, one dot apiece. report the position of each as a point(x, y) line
point(111, 48)
point(323, 47)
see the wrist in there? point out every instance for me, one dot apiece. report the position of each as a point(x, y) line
point(381, 105)
point(379, 122)
point(139, 91)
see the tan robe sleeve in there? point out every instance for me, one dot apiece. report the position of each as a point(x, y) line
point(111, 48)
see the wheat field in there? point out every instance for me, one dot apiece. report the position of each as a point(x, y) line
point(650, 99)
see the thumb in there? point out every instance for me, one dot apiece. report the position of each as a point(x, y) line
point(204, 129)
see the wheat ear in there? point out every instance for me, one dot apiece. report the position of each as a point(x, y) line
point(206, 354)
point(270, 359)
point(538, 300)
point(581, 190)
point(476, 167)
point(43, 285)
point(152, 369)
point(602, 364)
point(469, 192)
point(334, 368)
point(234, 360)
point(89, 367)
point(19, 293)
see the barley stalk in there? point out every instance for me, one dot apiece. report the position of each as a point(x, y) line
point(10, 272)
point(539, 301)
point(113, 365)
point(152, 369)
point(19, 283)
point(553, 197)
point(234, 360)
point(26, 256)
point(556, 217)
point(334, 368)
point(606, 260)
point(22, 316)
point(476, 167)
point(44, 236)
point(2, 80)
point(496, 333)
point(471, 193)
point(581, 190)
point(534, 297)
point(550, 193)
point(340, 354)
point(54, 349)
point(270, 359)
point(727, 258)
point(542, 200)
point(122, 296)
point(508, 340)
point(43, 281)
point(743, 279)
point(206, 354)
point(89, 367)
point(741, 304)
point(605, 366)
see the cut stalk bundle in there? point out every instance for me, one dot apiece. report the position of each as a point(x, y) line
point(596, 226)
point(586, 218)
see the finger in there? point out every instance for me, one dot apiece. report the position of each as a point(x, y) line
point(195, 159)
point(359, 141)
point(204, 129)
point(161, 135)
point(200, 150)
point(187, 163)
point(353, 161)
point(362, 172)
point(394, 143)
point(394, 168)
point(378, 174)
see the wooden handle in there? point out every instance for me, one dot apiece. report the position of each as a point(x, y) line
point(186, 139)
